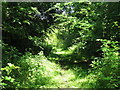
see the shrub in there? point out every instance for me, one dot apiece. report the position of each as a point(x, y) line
point(7, 79)
point(9, 54)
point(107, 67)
point(36, 71)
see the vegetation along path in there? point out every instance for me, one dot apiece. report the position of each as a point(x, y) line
point(60, 45)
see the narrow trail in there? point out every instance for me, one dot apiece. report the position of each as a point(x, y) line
point(64, 79)
point(67, 76)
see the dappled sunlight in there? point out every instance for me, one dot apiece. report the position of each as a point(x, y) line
point(53, 73)
point(60, 45)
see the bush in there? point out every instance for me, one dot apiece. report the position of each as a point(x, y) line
point(9, 54)
point(107, 67)
point(7, 79)
point(36, 71)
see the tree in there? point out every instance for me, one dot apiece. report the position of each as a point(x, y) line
point(20, 22)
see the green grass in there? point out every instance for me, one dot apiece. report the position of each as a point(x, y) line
point(37, 72)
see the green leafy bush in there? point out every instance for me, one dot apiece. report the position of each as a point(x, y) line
point(7, 80)
point(36, 71)
point(9, 54)
point(107, 67)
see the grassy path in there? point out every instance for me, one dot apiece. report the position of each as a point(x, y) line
point(73, 77)
point(44, 72)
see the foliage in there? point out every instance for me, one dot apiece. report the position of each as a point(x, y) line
point(10, 54)
point(83, 28)
point(107, 67)
point(73, 44)
point(80, 24)
point(74, 29)
point(7, 80)
point(24, 20)
point(36, 71)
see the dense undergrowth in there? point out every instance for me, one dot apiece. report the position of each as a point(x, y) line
point(37, 71)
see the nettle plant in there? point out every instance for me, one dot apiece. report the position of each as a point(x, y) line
point(107, 66)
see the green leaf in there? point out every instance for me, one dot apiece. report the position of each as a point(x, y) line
point(7, 78)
